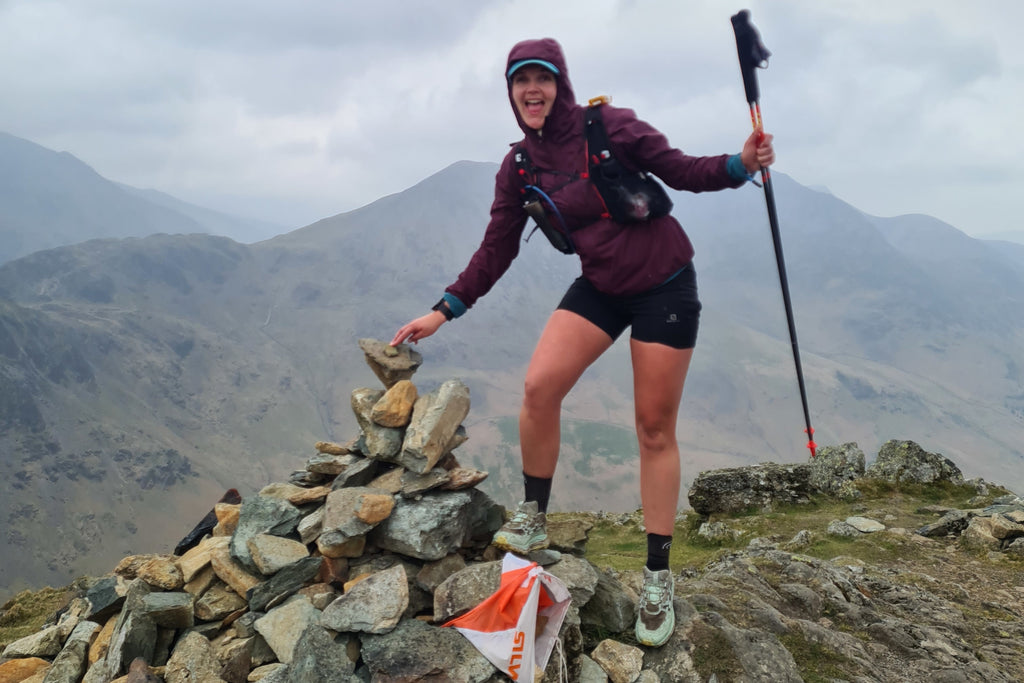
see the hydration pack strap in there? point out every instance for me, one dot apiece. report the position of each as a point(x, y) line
point(627, 196)
point(599, 147)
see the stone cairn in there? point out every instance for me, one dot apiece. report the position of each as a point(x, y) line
point(344, 573)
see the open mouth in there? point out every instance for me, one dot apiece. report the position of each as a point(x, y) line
point(534, 107)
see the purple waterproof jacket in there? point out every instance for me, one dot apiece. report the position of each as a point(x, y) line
point(616, 259)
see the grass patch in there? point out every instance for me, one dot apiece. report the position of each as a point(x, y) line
point(27, 612)
point(619, 546)
point(941, 492)
point(713, 654)
point(623, 546)
point(817, 663)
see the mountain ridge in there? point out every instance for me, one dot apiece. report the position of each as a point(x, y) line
point(195, 353)
point(53, 199)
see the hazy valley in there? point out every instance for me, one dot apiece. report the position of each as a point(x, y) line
point(140, 376)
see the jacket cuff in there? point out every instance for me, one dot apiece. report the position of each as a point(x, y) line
point(454, 305)
point(735, 168)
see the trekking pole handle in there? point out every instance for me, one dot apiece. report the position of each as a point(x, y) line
point(751, 51)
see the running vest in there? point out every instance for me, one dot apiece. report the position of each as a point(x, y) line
point(627, 196)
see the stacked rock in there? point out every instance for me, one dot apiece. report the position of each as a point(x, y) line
point(343, 573)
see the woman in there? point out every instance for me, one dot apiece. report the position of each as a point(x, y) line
point(638, 275)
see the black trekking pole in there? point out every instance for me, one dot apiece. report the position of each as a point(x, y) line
point(753, 55)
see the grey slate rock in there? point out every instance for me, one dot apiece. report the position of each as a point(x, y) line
point(282, 626)
point(416, 651)
point(760, 654)
point(376, 442)
point(318, 656)
point(414, 484)
point(134, 636)
point(905, 461)
point(104, 599)
point(437, 524)
point(217, 602)
point(360, 472)
point(840, 528)
point(435, 419)
point(329, 464)
point(170, 610)
point(261, 515)
point(569, 536)
point(590, 671)
point(612, 607)
point(135, 633)
point(434, 573)
point(373, 605)
point(545, 557)
point(245, 624)
point(834, 465)
point(193, 661)
point(578, 575)
point(44, 643)
point(737, 489)
point(466, 589)
point(865, 525)
point(70, 664)
point(307, 479)
point(311, 525)
point(283, 584)
point(391, 364)
point(953, 522)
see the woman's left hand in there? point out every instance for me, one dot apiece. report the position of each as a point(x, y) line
point(757, 152)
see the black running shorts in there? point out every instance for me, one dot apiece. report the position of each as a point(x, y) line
point(667, 314)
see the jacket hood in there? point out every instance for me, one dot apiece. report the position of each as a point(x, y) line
point(563, 119)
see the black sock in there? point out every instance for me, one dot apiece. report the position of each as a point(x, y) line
point(658, 547)
point(537, 489)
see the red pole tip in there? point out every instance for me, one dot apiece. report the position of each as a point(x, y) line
point(813, 446)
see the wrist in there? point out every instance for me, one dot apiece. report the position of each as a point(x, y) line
point(737, 168)
point(442, 308)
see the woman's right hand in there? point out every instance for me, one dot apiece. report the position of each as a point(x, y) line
point(420, 328)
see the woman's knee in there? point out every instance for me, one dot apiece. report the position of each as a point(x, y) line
point(541, 393)
point(655, 433)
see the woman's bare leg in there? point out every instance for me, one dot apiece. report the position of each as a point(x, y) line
point(659, 373)
point(567, 346)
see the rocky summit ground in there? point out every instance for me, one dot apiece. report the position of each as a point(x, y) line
point(824, 571)
point(766, 596)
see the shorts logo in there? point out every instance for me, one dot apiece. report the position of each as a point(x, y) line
point(672, 318)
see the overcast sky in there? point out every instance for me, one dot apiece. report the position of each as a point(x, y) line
point(294, 111)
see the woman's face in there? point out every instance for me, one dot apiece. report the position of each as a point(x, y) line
point(533, 91)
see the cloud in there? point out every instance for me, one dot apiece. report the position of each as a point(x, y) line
point(302, 110)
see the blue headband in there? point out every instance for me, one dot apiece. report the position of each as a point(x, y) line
point(539, 62)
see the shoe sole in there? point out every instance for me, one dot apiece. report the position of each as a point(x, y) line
point(650, 642)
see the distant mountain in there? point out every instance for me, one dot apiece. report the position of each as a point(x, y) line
point(1015, 236)
point(50, 199)
point(245, 230)
point(140, 378)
